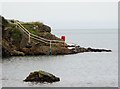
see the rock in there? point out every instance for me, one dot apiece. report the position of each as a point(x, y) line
point(15, 41)
point(79, 49)
point(28, 45)
point(5, 52)
point(41, 76)
point(46, 28)
point(17, 53)
point(98, 50)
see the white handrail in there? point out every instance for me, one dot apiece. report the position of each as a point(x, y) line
point(31, 33)
point(39, 40)
point(35, 36)
point(40, 37)
point(23, 27)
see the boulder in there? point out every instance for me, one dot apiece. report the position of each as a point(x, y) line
point(41, 76)
point(46, 28)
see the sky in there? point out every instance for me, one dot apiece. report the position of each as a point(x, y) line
point(65, 15)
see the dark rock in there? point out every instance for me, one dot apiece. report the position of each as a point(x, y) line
point(79, 49)
point(46, 28)
point(98, 50)
point(28, 45)
point(41, 76)
point(5, 52)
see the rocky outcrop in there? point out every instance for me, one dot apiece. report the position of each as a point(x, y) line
point(15, 41)
point(79, 49)
point(41, 76)
point(46, 28)
point(98, 50)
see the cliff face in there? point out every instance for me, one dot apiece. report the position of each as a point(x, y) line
point(14, 42)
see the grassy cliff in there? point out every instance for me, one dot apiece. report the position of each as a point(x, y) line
point(14, 42)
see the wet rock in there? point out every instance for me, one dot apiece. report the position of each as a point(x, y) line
point(28, 45)
point(44, 28)
point(41, 76)
point(79, 49)
point(98, 50)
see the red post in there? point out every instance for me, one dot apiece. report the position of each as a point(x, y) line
point(63, 38)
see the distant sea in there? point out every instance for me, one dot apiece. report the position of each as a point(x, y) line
point(78, 70)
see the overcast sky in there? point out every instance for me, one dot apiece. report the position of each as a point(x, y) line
point(65, 15)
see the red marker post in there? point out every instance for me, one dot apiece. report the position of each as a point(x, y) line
point(63, 38)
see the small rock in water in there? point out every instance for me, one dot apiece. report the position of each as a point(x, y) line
point(41, 76)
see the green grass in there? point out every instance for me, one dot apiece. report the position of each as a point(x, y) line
point(33, 23)
point(16, 34)
point(30, 27)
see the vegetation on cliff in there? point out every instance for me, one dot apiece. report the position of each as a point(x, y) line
point(14, 42)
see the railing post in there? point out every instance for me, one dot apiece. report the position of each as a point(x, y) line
point(50, 48)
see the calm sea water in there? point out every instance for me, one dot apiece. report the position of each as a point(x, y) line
point(78, 70)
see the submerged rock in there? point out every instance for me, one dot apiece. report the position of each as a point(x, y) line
point(41, 76)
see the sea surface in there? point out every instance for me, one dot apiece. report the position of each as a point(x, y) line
point(78, 70)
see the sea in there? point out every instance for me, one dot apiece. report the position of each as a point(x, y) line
point(89, 69)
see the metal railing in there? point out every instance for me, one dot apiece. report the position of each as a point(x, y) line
point(35, 37)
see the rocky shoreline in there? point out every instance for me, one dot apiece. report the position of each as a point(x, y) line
point(15, 43)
